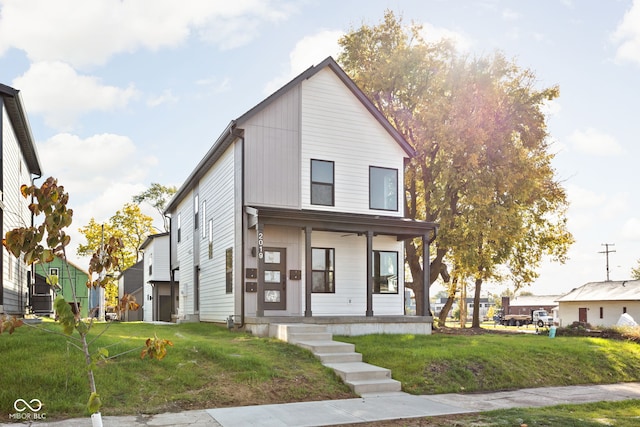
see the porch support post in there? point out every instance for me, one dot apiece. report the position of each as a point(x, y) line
point(308, 272)
point(426, 276)
point(260, 269)
point(369, 273)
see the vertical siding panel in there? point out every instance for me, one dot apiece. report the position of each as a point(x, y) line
point(272, 152)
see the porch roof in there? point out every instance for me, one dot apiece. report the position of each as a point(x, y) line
point(402, 228)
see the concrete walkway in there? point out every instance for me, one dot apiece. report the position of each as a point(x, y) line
point(386, 406)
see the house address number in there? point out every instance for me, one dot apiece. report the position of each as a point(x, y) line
point(260, 244)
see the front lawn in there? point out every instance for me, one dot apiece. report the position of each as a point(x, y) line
point(207, 367)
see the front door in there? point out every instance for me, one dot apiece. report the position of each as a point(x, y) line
point(582, 315)
point(275, 284)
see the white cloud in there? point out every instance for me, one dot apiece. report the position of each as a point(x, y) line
point(309, 51)
point(582, 198)
point(101, 173)
point(85, 33)
point(87, 166)
point(627, 35)
point(55, 90)
point(631, 229)
point(594, 142)
point(166, 97)
point(510, 15)
point(433, 34)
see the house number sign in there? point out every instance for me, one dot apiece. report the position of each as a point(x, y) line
point(260, 244)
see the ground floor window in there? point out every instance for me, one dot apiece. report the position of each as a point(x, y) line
point(323, 273)
point(228, 264)
point(385, 272)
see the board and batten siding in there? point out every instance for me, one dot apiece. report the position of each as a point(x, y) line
point(218, 192)
point(272, 153)
point(335, 126)
point(350, 297)
point(16, 214)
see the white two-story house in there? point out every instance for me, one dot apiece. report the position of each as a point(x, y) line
point(160, 290)
point(296, 214)
point(20, 165)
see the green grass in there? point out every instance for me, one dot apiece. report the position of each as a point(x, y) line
point(454, 363)
point(208, 366)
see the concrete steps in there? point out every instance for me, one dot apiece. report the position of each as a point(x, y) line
point(362, 378)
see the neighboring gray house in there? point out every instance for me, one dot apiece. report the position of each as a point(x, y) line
point(19, 165)
point(131, 281)
point(600, 303)
point(160, 300)
point(296, 213)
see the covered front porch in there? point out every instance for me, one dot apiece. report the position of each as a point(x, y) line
point(364, 231)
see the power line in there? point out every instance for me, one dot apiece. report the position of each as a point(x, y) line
point(607, 251)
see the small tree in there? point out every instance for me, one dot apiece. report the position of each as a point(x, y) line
point(40, 244)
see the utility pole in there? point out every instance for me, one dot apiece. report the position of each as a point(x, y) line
point(607, 251)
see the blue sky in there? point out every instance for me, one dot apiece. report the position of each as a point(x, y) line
point(121, 94)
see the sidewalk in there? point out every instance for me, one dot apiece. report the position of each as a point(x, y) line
point(365, 409)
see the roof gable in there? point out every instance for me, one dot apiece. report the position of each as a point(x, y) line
point(234, 129)
point(627, 290)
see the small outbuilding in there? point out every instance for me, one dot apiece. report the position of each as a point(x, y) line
point(600, 303)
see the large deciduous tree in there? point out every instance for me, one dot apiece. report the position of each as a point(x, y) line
point(131, 227)
point(483, 165)
point(157, 196)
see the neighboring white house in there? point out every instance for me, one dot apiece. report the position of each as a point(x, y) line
point(600, 303)
point(297, 212)
point(160, 295)
point(20, 165)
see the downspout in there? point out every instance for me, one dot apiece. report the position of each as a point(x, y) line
point(242, 225)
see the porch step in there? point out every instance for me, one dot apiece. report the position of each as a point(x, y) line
point(327, 358)
point(326, 346)
point(362, 378)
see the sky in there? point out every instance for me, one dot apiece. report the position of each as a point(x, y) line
point(121, 94)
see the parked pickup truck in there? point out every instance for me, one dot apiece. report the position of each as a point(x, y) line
point(539, 318)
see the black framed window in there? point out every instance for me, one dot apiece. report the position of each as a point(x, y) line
point(383, 188)
point(322, 270)
point(179, 232)
point(385, 272)
point(322, 182)
point(196, 206)
point(228, 268)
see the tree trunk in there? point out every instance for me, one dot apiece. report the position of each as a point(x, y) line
point(463, 304)
point(476, 305)
point(442, 319)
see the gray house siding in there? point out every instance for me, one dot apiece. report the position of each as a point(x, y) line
point(272, 154)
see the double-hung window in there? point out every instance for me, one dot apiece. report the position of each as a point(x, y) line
point(385, 272)
point(383, 188)
point(322, 182)
point(322, 274)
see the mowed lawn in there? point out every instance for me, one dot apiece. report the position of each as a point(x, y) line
point(209, 366)
point(442, 363)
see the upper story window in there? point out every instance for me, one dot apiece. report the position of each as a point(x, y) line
point(196, 207)
point(383, 188)
point(385, 272)
point(179, 221)
point(322, 182)
point(204, 218)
